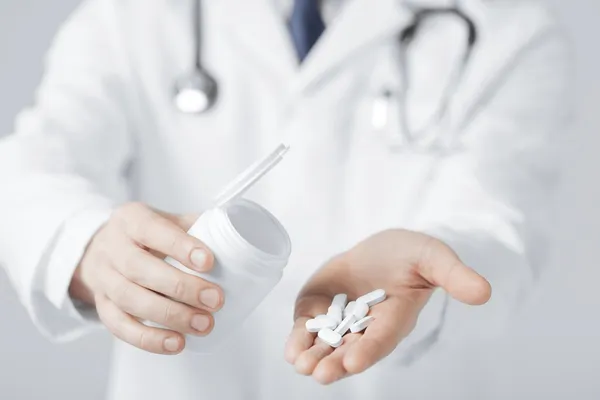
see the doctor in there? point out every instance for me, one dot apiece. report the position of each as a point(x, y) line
point(423, 137)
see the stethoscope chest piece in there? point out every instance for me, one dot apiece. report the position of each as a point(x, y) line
point(195, 93)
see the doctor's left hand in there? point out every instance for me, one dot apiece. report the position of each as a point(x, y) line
point(409, 266)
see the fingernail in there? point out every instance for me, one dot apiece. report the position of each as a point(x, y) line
point(200, 322)
point(171, 344)
point(199, 258)
point(210, 298)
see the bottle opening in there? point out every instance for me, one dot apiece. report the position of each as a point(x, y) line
point(259, 228)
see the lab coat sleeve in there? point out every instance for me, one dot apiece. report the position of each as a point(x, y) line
point(61, 170)
point(492, 202)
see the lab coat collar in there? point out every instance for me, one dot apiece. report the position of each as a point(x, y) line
point(360, 23)
point(263, 30)
point(259, 28)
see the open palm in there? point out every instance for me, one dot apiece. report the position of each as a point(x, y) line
point(408, 266)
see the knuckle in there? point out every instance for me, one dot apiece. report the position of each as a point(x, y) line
point(427, 250)
point(180, 289)
point(136, 221)
point(133, 219)
point(121, 293)
point(134, 206)
point(178, 245)
point(130, 265)
point(177, 316)
point(138, 229)
point(144, 340)
point(172, 242)
point(447, 276)
point(168, 313)
point(108, 318)
point(100, 244)
point(147, 304)
point(125, 211)
point(91, 276)
point(427, 254)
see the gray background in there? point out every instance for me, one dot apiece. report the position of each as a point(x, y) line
point(551, 352)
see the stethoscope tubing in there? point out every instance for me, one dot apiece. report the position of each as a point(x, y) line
point(202, 83)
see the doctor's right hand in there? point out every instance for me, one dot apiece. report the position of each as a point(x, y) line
point(123, 274)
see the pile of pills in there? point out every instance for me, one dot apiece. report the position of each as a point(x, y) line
point(342, 317)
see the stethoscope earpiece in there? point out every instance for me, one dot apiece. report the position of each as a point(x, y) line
point(195, 93)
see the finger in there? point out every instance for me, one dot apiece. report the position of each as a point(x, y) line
point(156, 275)
point(308, 360)
point(394, 319)
point(184, 221)
point(442, 267)
point(147, 305)
point(300, 339)
point(331, 368)
point(160, 234)
point(129, 330)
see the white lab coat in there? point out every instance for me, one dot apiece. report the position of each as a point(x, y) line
point(103, 130)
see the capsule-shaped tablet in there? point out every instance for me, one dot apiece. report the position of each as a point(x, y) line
point(328, 322)
point(335, 313)
point(348, 309)
point(372, 298)
point(330, 337)
point(313, 325)
point(361, 324)
point(316, 324)
point(339, 300)
point(360, 310)
point(323, 316)
point(344, 326)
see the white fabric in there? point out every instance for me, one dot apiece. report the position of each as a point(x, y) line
point(103, 130)
point(330, 9)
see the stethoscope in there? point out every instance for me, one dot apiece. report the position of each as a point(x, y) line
point(197, 92)
point(426, 137)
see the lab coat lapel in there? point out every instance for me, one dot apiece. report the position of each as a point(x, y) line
point(260, 29)
point(493, 56)
point(359, 23)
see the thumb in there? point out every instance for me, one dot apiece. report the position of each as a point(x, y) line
point(442, 267)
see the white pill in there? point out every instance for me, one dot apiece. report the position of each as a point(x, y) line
point(335, 313)
point(315, 325)
point(330, 337)
point(360, 310)
point(375, 297)
point(344, 326)
point(361, 324)
point(327, 321)
point(339, 300)
point(348, 309)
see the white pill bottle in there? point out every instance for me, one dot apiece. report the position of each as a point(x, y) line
point(251, 249)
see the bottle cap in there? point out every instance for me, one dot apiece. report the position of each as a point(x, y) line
point(251, 175)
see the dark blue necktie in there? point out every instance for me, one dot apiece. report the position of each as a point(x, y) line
point(306, 25)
